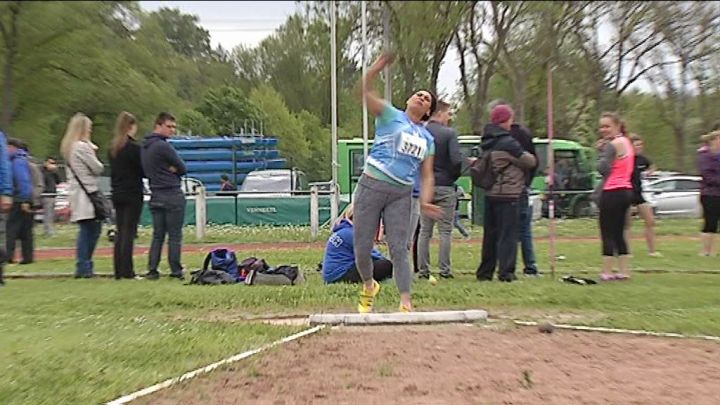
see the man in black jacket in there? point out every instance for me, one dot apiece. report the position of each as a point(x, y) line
point(163, 168)
point(446, 168)
point(523, 136)
point(501, 216)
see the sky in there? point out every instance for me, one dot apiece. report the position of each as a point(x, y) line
point(233, 23)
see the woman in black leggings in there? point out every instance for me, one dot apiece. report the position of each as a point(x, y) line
point(616, 166)
point(709, 167)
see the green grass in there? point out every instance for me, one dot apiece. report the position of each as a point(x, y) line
point(66, 235)
point(88, 341)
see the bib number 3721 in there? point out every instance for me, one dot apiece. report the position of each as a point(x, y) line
point(414, 146)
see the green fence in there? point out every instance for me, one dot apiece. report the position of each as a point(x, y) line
point(255, 211)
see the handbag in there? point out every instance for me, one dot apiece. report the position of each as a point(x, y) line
point(100, 203)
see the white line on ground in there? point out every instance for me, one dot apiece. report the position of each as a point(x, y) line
point(167, 383)
point(624, 331)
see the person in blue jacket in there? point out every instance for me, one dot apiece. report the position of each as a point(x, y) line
point(339, 261)
point(6, 193)
point(20, 221)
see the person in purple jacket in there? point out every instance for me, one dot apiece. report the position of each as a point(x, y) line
point(709, 167)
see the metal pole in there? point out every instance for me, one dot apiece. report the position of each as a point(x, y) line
point(386, 40)
point(314, 212)
point(200, 214)
point(333, 99)
point(551, 170)
point(364, 69)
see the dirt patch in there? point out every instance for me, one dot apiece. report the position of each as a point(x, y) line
point(464, 364)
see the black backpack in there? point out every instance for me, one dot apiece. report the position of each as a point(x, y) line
point(482, 171)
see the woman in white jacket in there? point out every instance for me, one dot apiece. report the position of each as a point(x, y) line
point(79, 154)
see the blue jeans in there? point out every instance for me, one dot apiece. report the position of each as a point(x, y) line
point(459, 226)
point(168, 214)
point(87, 240)
point(526, 241)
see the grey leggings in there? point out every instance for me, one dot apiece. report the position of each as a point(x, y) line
point(375, 199)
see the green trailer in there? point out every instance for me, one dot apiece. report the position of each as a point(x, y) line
point(575, 175)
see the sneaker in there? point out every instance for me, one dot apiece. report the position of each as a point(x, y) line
point(447, 275)
point(405, 308)
point(152, 275)
point(425, 275)
point(26, 262)
point(367, 298)
point(138, 278)
point(655, 254)
point(178, 276)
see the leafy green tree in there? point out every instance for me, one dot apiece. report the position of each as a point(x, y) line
point(229, 110)
point(279, 122)
point(183, 33)
point(193, 122)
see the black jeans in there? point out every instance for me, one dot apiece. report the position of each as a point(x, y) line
point(613, 209)
point(127, 217)
point(500, 239)
point(382, 269)
point(20, 226)
point(168, 213)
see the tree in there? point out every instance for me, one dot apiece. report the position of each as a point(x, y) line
point(194, 122)
point(480, 50)
point(183, 33)
point(9, 16)
point(229, 110)
point(691, 33)
point(281, 123)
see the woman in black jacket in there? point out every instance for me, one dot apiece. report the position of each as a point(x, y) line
point(127, 192)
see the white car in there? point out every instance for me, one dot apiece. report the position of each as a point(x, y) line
point(677, 195)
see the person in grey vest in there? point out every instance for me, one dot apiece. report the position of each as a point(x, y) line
point(446, 169)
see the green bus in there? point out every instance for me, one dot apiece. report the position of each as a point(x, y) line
point(575, 176)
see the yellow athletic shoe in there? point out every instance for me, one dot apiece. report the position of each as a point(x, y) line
point(405, 308)
point(367, 298)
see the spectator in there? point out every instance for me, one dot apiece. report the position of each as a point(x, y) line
point(83, 167)
point(709, 167)
point(6, 202)
point(51, 178)
point(163, 168)
point(20, 222)
point(501, 216)
point(339, 261)
point(643, 167)
point(523, 136)
point(226, 184)
point(446, 170)
point(126, 174)
point(460, 194)
point(616, 165)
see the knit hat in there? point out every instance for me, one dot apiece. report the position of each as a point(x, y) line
point(500, 113)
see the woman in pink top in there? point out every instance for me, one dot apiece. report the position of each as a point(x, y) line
point(616, 165)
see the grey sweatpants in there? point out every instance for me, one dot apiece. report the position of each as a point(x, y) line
point(375, 199)
point(445, 198)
